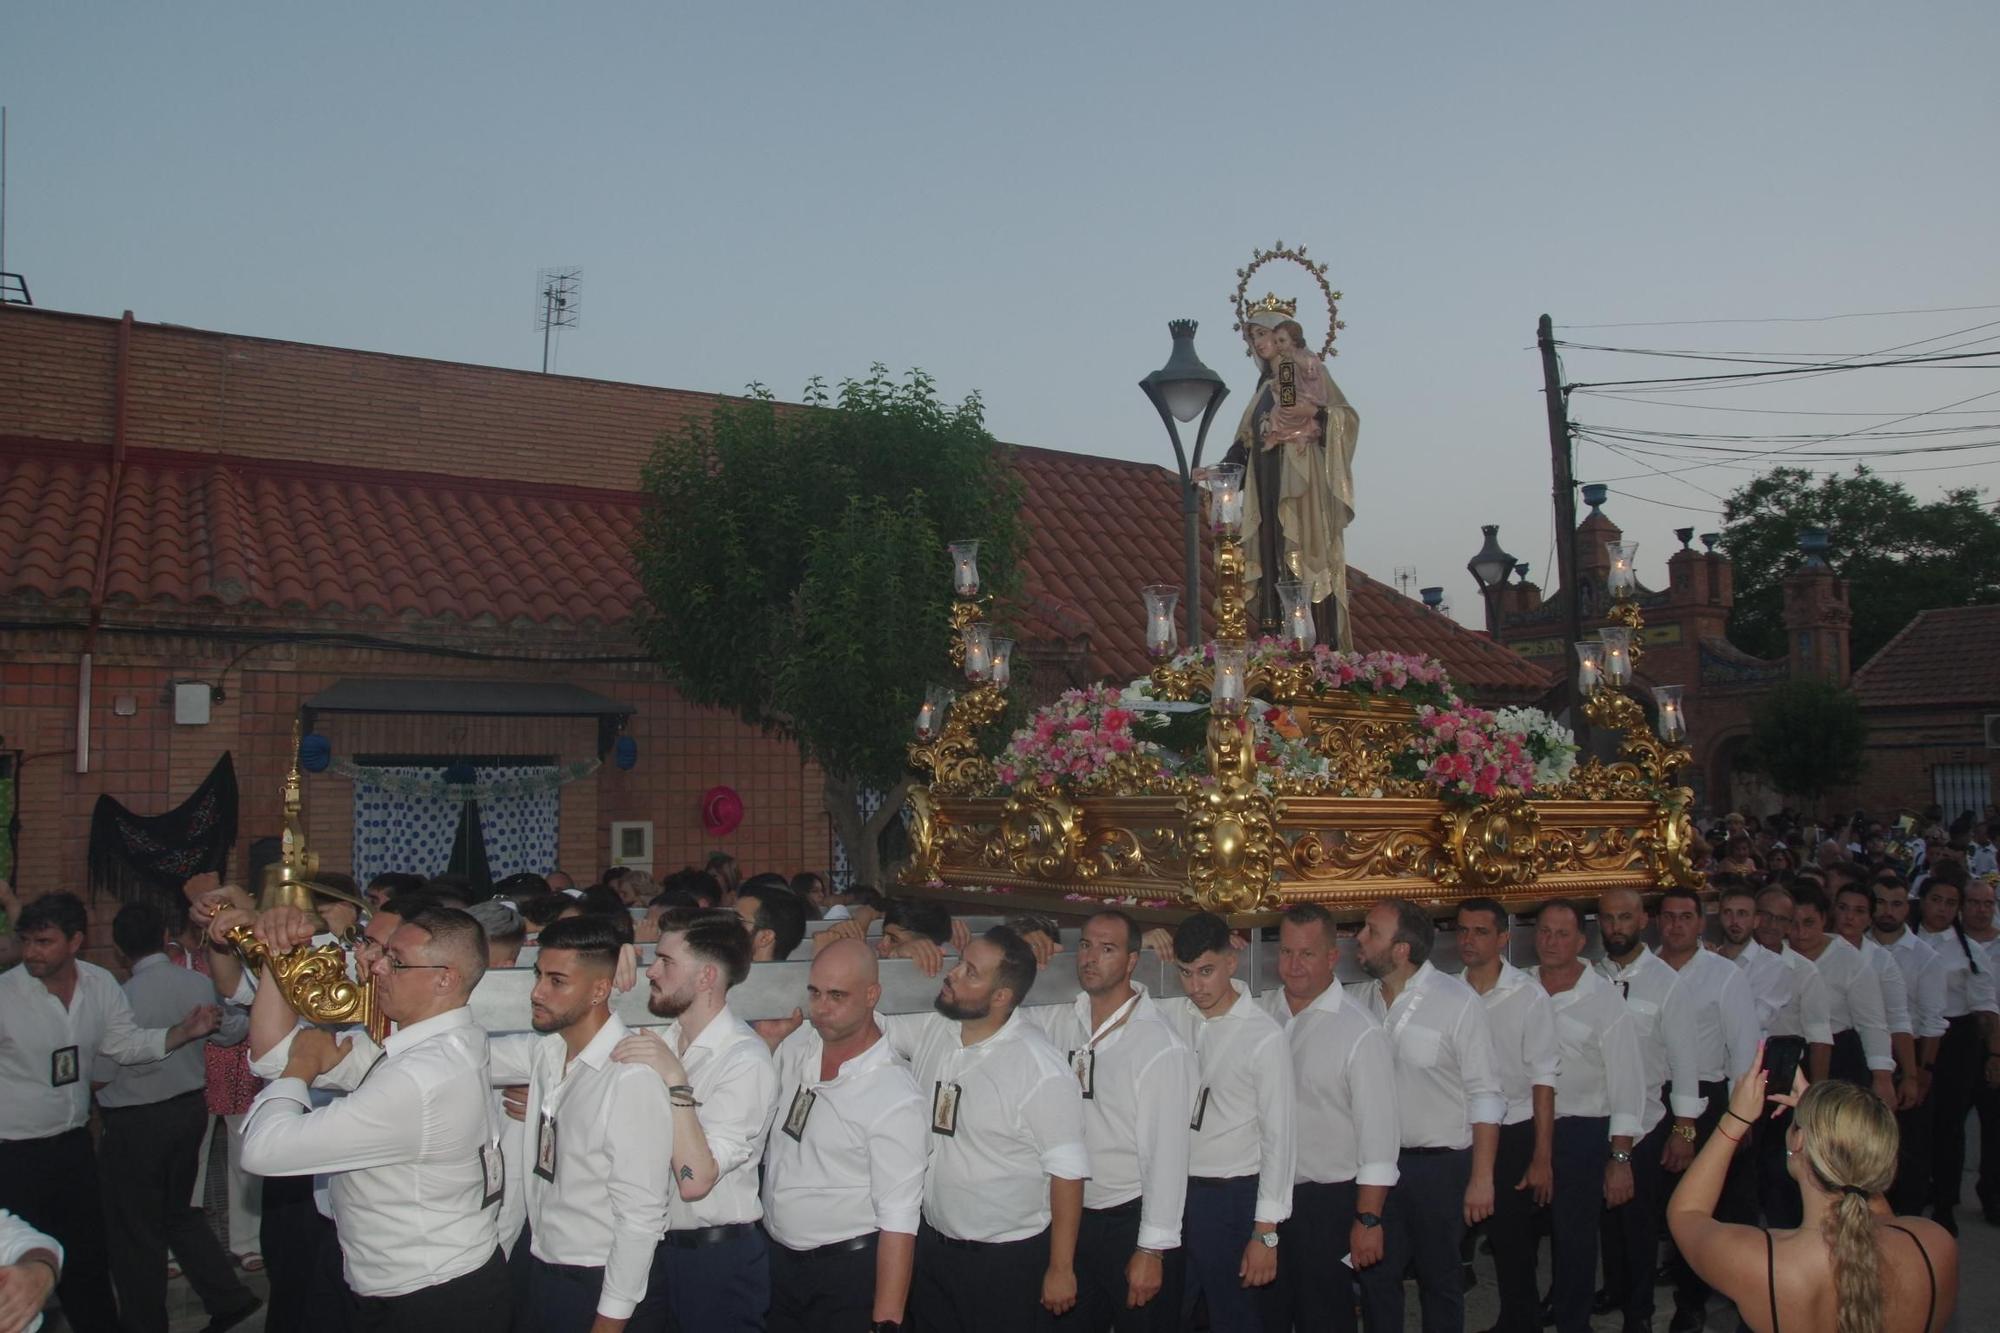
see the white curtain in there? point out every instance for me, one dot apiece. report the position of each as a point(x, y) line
point(414, 834)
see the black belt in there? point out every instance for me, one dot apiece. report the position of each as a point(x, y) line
point(570, 1272)
point(953, 1242)
point(705, 1236)
point(1430, 1152)
point(1215, 1182)
point(1129, 1208)
point(164, 1101)
point(852, 1245)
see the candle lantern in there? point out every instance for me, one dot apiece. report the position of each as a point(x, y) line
point(1621, 580)
point(1162, 636)
point(965, 567)
point(1003, 663)
point(1589, 659)
point(1224, 484)
point(1297, 611)
point(1616, 663)
point(930, 716)
point(1672, 720)
point(978, 651)
point(1232, 674)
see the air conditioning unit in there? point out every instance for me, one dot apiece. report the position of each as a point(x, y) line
point(1993, 731)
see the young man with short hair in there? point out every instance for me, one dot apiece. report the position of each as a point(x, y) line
point(775, 918)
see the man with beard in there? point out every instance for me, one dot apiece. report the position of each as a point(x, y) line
point(844, 1172)
point(1003, 1186)
point(1791, 1000)
point(599, 1166)
point(1138, 1081)
point(1923, 973)
point(723, 1088)
point(1630, 1233)
point(1345, 1130)
point(57, 1014)
point(1853, 914)
point(1448, 1096)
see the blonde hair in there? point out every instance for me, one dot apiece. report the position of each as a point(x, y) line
point(1848, 1142)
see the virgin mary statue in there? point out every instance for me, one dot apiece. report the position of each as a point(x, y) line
point(1296, 446)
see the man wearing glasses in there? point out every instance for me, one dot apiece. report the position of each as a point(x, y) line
point(413, 1149)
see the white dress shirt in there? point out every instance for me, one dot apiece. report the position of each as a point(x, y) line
point(1136, 1111)
point(856, 1164)
point(614, 1164)
point(1246, 1103)
point(1923, 974)
point(1965, 991)
point(1714, 999)
point(17, 1238)
point(1855, 993)
point(1771, 985)
point(1018, 1120)
point(1602, 1072)
point(1896, 1011)
point(409, 1150)
point(160, 995)
point(1524, 1040)
point(1445, 1076)
point(1669, 1048)
point(1807, 1011)
point(34, 1025)
point(1344, 1090)
point(736, 1082)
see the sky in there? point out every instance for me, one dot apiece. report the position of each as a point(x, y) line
point(1016, 198)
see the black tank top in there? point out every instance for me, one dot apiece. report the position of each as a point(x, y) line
point(1771, 1271)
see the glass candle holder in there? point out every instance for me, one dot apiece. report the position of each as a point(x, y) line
point(978, 651)
point(1622, 579)
point(1616, 663)
point(1672, 720)
point(965, 567)
point(1589, 656)
point(1162, 626)
point(1297, 614)
point(1232, 678)
point(930, 715)
point(1224, 484)
point(1003, 663)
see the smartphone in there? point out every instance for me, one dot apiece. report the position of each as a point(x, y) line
point(1782, 1056)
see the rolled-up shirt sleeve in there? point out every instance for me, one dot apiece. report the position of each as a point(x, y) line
point(1371, 1092)
point(1053, 1113)
point(376, 1125)
point(641, 1139)
point(1741, 1032)
point(1864, 1003)
point(896, 1158)
point(362, 1053)
point(18, 1239)
point(1624, 1076)
point(1539, 1051)
point(1166, 1101)
point(1895, 995)
point(1677, 1027)
point(1478, 1068)
point(736, 1112)
point(1277, 1124)
point(1927, 995)
point(510, 1059)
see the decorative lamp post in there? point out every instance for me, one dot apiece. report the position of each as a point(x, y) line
point(965, 568)
point(1589, 656)
point(1672, 723)
point(1489, 567)
point(1622, 579)
point(1232, 677)
point(978, 652)
point(1003, 663)
point(1180, 391)
point(1161, 599)
point(1616, 663)
point(930, 717)
point(1297, 614)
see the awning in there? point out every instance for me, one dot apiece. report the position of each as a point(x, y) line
point(471, 698)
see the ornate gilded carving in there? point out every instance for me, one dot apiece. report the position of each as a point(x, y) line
point(925, 844)
point(1232, 616)
point(314, 982)
point(1042, 837)
point(1574, 851)
point(1364, 854)
point(1233, 840)
point(1490, 846)
point(1359, 738)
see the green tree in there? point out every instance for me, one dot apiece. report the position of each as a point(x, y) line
point(1807, 737)
point(794, 568)
point(1900, 555)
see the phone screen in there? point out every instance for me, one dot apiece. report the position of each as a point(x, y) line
point(1781, 1062)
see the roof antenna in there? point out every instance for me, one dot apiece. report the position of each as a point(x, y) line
point(558, 301)
point(13, 287)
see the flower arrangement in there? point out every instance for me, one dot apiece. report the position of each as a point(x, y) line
point(1464, 753)
point(1408, 676)
point(1549, 742)
point(1082, 740)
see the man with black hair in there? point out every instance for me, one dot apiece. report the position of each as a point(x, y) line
point(1003, 1188)
point(413, 1148)
point(1138, 1080)
point(58, 1014)
point(906, 919)
point(1923, 974)
point(600, 1169)
point(1853, 913)
point(154, 1119)
point(392, 884)
point(1861, 1051)
point(775, 918)
point(1241, 1149)
point(1448, 1097)
point(722, 868)
point(723, 1088)
point(550, 907)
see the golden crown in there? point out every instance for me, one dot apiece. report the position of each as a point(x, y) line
point(1272, 305)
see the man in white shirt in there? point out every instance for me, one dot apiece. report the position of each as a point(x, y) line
point(599, 1142)
point(1630, 1233)
point(1853, 914)
point(1976, 914)
point(1241, 1150)
point(413, 1148)
point(723, 1088)
point(1969, 1054)
point(1923, 973)
point(30, 1263)
point(1344, 1127)
point(1448, 1097)
point(1600, 1104)
point(57, 1014)
point(1861, 1051)
point(844, 1169)
point(1003, 1186)
point(1524, 1056)
point(1712, 999)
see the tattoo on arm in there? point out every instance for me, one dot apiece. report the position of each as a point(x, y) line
point(687, 1173)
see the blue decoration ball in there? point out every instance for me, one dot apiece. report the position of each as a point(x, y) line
point(461, 774)
point(315, 753)
point(625, 753)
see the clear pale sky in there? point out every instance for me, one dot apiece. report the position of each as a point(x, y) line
point(1018, 197)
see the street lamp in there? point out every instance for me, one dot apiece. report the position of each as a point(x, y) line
point(1180, 391)
point(1490, 567)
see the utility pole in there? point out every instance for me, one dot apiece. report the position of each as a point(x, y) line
point(1557, 400)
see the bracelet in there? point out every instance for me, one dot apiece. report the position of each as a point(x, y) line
point(1732, 1115)
point(1733, 1138)
point(687, 1104)
point(680, 1089)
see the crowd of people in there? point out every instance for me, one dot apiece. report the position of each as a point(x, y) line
point(1800, 1063)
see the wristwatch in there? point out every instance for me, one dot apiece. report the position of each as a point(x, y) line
point(1369, 1219)
point(1269, 1238)
point(1621, 1157)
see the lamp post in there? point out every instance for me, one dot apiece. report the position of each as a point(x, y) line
point(1490, 567)
point(1180, 391)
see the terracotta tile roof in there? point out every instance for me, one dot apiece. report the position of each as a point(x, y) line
point(1944, 657)
point(191, 530)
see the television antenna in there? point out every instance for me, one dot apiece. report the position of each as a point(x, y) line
point(558, 302)
point(1406, 579)
point(13, 286)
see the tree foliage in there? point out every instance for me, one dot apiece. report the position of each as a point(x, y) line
point(1807, 737)
point(794, 567)
point(1900, 555)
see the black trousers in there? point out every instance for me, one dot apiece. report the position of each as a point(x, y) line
point(827, 1290)
point(1777, 1193)
point(1313, 1289)
point(724, 1287)
point(148, 1157)
point(1105, 1241)
point(1422, 1225)
point(1850, 1061)
point(974, 1287)
point(560, 1297)
point(1738, 1201)
point(1986, 1101)
point(1630, 1233)
point(1215, 1228)
point(1582, 1147)
point(1910, 1193)
point(51, 1184)
point(301, 1253)
point(1961, 1069)
point(481, 1301)
point(1512, 1231)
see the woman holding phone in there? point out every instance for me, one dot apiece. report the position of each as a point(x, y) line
point(1853, 1266)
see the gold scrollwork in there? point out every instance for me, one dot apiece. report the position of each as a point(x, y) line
point(1364, 854)
point(1233, 839)
point(1122, 852)
point(314, 982)
point(1491, 846)
point(1043, 837)
point(1578, 851)
point(925, 844)
point(1232, 614)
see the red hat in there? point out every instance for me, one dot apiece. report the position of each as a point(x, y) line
point(721, 811)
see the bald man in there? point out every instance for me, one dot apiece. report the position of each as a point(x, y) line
point(844, 1165)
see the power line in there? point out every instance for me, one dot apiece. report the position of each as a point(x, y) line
point(1934, 360)
point(1783, 319)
